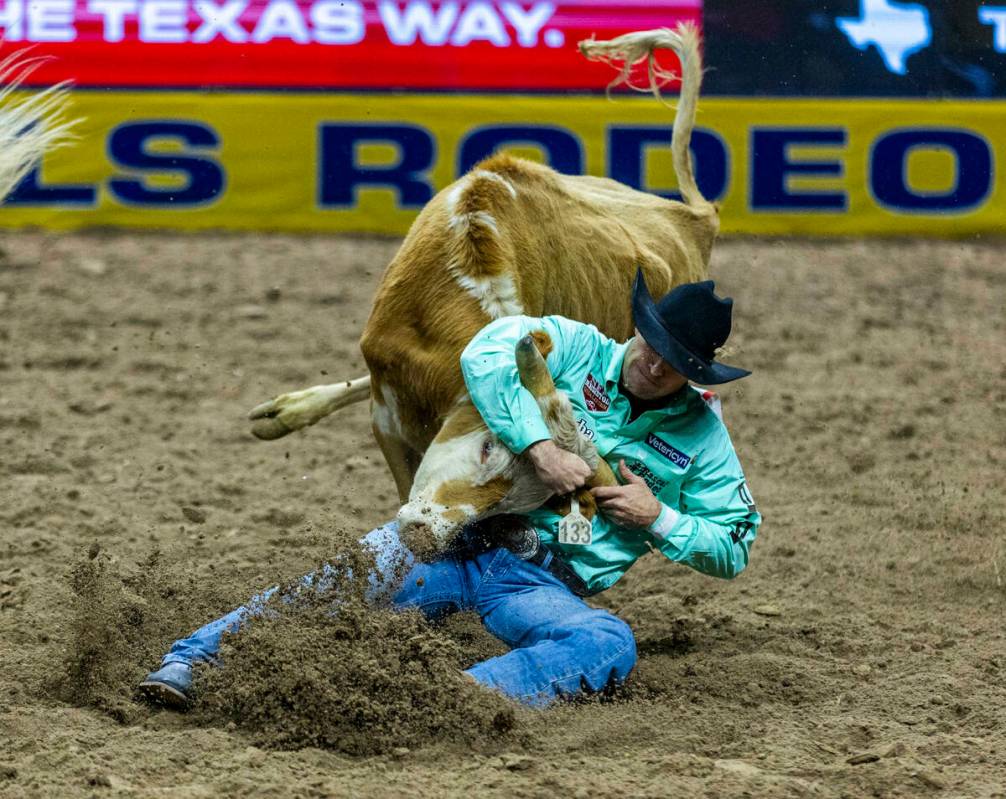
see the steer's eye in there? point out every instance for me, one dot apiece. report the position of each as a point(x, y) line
point(487, 447)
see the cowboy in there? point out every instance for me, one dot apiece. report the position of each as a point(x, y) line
point(684, 495)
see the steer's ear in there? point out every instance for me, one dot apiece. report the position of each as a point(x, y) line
point(562, 505)
point(603, 476)
point(543, 341)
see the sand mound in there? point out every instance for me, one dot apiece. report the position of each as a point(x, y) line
point(327, 671)
point(361, 682)
point(318, 668)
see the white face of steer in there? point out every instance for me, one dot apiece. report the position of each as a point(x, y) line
point(466, 474)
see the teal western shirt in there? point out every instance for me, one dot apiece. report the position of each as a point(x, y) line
point(682, 451)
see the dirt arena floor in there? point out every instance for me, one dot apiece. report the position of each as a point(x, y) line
point(861, 654)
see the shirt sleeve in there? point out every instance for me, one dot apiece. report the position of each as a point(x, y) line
point(716, 522)
point(489, 367)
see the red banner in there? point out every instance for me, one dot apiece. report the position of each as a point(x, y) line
point(329, 44)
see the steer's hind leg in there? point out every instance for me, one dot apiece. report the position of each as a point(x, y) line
point(296, 409)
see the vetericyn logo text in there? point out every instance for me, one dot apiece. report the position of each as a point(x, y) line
point(675, 456)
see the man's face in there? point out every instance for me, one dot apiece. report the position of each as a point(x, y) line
point(646, 375)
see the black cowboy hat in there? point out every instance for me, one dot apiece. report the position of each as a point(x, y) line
point(685, 328)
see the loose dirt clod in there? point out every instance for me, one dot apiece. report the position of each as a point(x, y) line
point(194, 515)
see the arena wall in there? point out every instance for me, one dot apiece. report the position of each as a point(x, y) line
point(349, 119)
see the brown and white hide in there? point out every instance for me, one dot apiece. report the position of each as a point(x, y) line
point(468, 474)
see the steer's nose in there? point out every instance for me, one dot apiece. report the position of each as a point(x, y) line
point(419, 539)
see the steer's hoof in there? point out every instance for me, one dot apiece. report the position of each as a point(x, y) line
point(266, 423)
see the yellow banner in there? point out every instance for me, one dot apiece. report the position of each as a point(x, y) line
point(368, 162)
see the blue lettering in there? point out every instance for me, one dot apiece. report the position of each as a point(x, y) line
point(771, 167)
point(342, 175)
point(562, 150)
point(889, 170)
point(627, 147)
point(203, 177)
point(30, 191)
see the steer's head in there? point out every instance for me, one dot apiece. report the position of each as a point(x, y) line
point(468, 474)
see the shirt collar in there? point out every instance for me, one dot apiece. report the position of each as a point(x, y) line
point(614, 372)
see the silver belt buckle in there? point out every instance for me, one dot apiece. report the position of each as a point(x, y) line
point(523, 542)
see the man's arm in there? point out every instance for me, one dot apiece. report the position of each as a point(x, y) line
point(716, 522)
point(630, 505)
point(489, 367)
point(559, 469)
point(714, 526)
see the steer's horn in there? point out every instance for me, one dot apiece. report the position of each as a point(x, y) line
point(555, 406)
point(534, 375)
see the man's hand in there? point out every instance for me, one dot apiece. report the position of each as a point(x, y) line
point(558, 469)
point(631, 505)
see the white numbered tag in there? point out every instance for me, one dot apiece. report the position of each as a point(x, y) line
point(574, 527)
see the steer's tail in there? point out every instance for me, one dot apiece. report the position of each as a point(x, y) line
point(31, 126)
point(635, 48)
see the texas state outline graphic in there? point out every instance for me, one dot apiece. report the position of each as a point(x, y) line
point(896, 29)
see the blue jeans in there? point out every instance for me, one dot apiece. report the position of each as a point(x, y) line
point(559, 645)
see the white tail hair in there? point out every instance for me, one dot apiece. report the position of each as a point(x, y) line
point(29, 127)
point(634, 48)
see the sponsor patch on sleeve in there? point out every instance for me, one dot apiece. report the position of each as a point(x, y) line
point(594, 394)
point(675, 456)
point(740, 531)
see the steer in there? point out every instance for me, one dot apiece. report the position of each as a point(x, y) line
point(510, 237)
